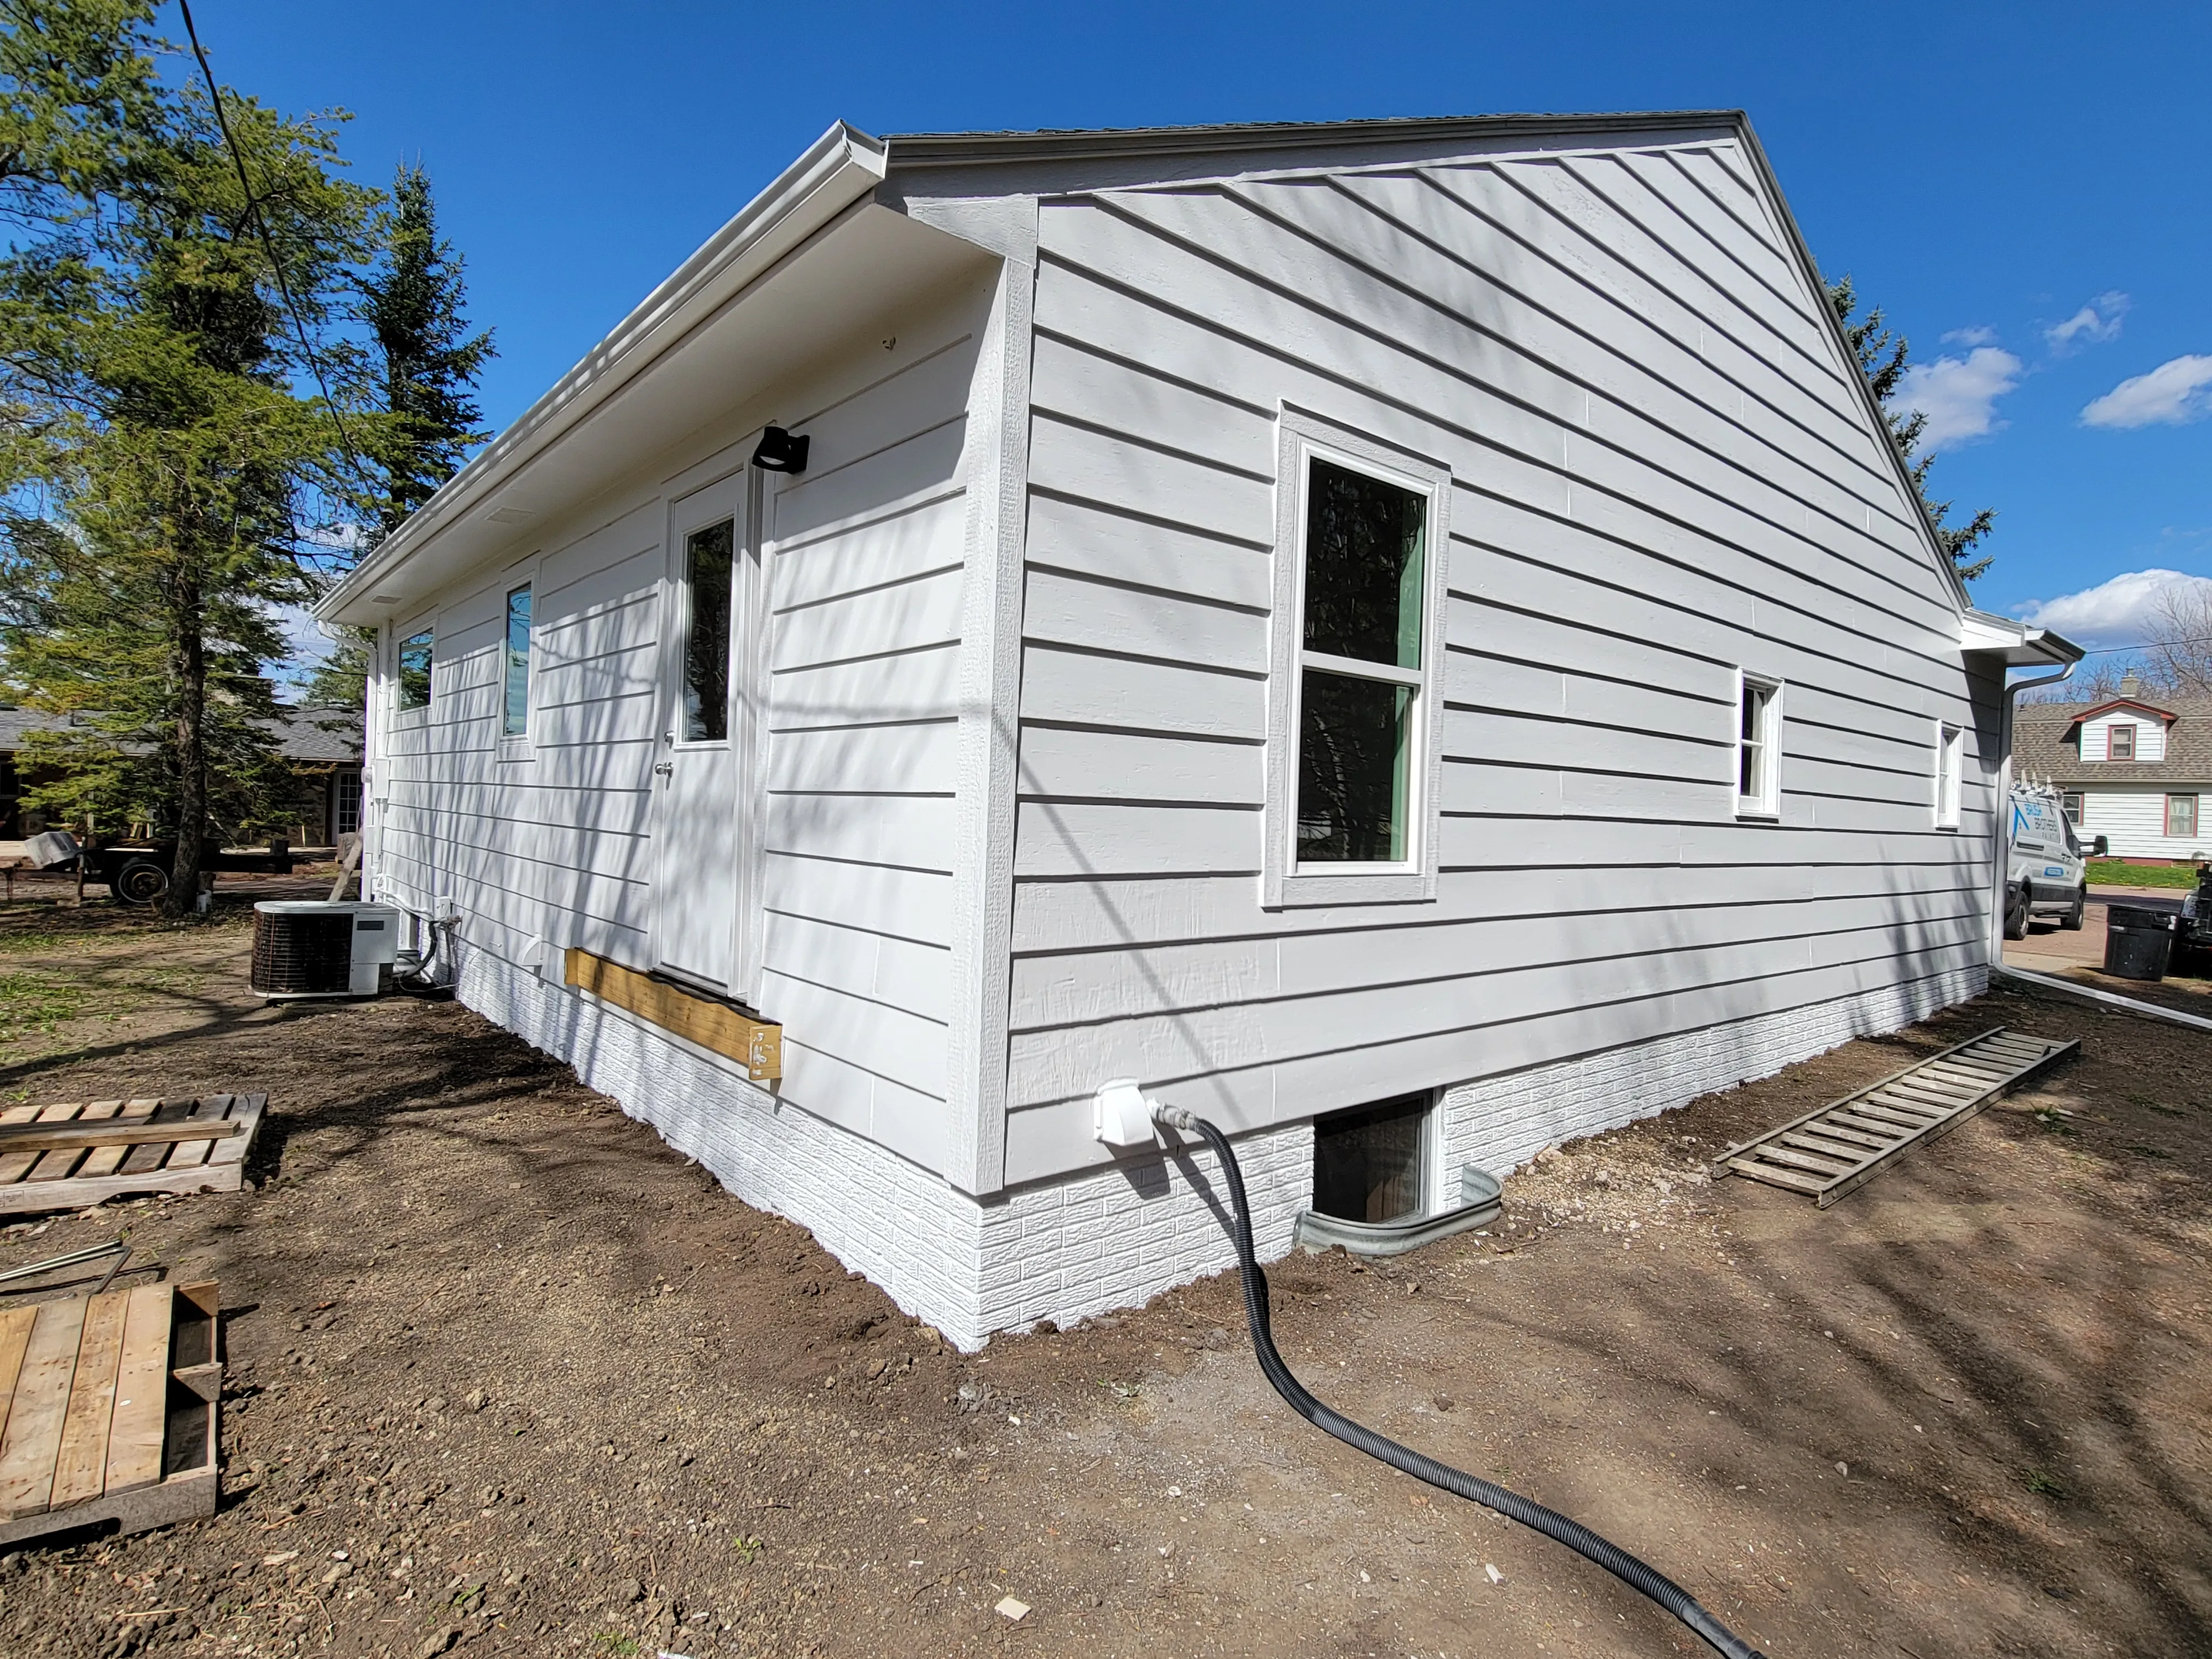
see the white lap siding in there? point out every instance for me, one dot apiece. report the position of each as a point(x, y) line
point(862, 556)
point(1661, 474)
point(2134, 820)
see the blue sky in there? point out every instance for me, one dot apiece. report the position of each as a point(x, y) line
point(2027, 189)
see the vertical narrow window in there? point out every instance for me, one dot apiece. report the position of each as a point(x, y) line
point(2181, 817)
point(1361, 676)
point(348, 802)
point(2120, 740)
point(709, 558)
point(514, 720)
point(416, 652)
point(1758, 748)
point(1950, 752)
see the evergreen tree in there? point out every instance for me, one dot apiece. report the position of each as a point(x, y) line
point(413, 304)
point(1883, 357)
point(164, 479)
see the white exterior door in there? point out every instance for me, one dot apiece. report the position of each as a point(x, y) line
point(700, 826)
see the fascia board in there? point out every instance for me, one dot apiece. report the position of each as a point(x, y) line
point(841, 168)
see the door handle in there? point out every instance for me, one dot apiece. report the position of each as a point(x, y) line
point(665, 769)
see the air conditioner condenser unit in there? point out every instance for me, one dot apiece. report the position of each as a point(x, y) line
point(321, 948)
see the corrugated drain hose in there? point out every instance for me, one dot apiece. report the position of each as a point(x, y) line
point(1576, 1536)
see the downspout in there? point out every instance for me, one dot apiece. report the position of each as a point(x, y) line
point(2000, 858)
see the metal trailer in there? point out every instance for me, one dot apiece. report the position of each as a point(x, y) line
point(137, 872)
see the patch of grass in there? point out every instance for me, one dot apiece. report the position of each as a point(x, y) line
point(2052, 1118)
point(18, 944)
point(2118, 873)
point(746, 1548)
point(34, 1004)
point(2043, 1485)
point(616, 1645)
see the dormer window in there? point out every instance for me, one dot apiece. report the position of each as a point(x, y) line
point(2120, 738)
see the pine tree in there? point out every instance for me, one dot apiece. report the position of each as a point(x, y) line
point(413, 303)
point(1883, 357)
point(164, 479)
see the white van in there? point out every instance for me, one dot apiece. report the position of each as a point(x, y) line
point(2046, 875)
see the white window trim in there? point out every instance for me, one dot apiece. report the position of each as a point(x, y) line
point(1950, 770)
point(1768, 803)
point(1300, 438)
point(520, 746)
point(419, 715)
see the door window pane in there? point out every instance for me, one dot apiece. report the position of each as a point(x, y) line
point(515, 719)
point(1364, 558)
point(708, 560)
point(1353, 769)
point(1367, 1162)
point(415, 662)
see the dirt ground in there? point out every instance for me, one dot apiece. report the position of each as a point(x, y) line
point(508, 1376)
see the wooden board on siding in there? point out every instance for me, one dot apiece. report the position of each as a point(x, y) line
point(757, 1044)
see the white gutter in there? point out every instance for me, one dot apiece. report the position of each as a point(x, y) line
point(838, 169)
point(2001, 860)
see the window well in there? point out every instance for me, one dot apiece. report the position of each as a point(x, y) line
point(1368, 1161)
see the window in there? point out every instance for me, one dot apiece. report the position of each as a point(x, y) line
point(348, 814)
point(2181, 817)
point(415, 652)
point(2120, 740)
point(709, 563)
point(1354, 755)
point(515, 718)
point(1368, 1162)
point(2073, 806)
point(1757, 748)
point(1950, 752)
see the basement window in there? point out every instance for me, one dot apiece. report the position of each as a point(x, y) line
point(1369, 1162)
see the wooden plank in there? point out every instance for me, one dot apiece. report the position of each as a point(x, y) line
point(79, 1135)
point(81, 1469)
point(15, 1165)
point(1808, 1139)
point(1876, 1128)
point(244, 1113)
point(191, 1154)
point(15, 1335)
point(755, 1043)
point(1849, 1134)
point(1879, 1083)
point(142, 1390)
point(1971, 1078)
point(1941, 1096)
point(104, 1160)
point(34, 1436)
point(149, 1155)
point(55, 1165)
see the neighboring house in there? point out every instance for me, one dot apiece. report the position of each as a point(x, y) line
point(323, 745)
point(1411, 638)
point(2136, 771)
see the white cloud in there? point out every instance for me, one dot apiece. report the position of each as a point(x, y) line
point(2171, 394)
point(1959, 395)
point(1971, 337)
point(2115, 612)
point(2096, 323)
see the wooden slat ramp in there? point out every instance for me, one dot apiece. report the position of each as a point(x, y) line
point(64, 1157)
point(109, 1407)
point(1835, 1150)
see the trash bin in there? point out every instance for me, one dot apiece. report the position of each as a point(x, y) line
point(2137, 942)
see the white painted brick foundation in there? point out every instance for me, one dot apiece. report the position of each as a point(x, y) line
point(1098, 1241)
point(1497, 1122)
point(969, 1268)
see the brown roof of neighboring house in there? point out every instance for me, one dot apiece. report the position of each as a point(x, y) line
point(2046, 742)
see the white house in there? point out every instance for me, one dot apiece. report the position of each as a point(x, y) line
point(2135, 771)
point(1408, 637)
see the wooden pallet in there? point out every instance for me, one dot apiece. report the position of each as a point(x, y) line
point(1835, 1150)
point(111, 1406)
point(63, 1158)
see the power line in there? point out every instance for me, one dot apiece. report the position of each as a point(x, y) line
point(2148, 645)
point(269, 247)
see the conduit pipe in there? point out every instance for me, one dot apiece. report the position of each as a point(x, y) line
point(1619, 1562)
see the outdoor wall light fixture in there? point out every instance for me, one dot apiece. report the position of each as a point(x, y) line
point(779, 452)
